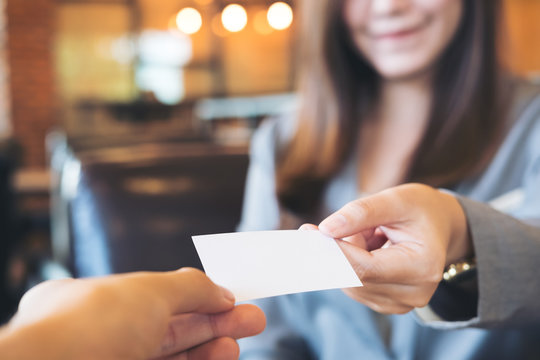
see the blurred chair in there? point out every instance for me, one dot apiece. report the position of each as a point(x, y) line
point(8, 223)
point(135, 207)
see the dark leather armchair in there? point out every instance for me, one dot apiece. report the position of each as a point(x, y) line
point(135, 208)
point(8, 155)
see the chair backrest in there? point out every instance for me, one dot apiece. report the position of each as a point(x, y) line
point(7, 225)
point(139, 212)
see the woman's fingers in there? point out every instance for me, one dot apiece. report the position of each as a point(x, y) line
point(393, 294)
point(393, 206)
point(382, 303)
point(376, 240)
point(369, 240)
point(404, 263)
point(189, 330)
point(304, 227)
point(373, 266)
point(361, 239)
point(398, 242)
point(363, 214)
point(396, 278)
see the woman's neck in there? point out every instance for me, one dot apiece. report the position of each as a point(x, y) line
point(405, 101)
point(389, 140)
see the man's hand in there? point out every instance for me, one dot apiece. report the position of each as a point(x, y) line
point(132, 316)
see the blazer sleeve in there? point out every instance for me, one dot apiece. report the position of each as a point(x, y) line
point(507, 254)
point(505, 290)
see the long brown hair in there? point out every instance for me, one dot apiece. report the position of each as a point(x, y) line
point(338, 89)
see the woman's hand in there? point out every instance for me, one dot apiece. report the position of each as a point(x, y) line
point(399, 242)
point(131, 316)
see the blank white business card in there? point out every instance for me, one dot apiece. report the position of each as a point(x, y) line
point(269, 263)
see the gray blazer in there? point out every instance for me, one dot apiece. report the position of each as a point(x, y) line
point(493, 315)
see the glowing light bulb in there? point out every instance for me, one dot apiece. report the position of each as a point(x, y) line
point(280, 15)
point(234, 17)
point(188, 20)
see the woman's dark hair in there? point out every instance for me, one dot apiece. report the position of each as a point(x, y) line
point(338, 89)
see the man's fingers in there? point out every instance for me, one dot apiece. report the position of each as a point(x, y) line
point(198, 292)
point(45, 290)
point(217, 349)
point(189, 330)
point(245, 320)
point(184, 290)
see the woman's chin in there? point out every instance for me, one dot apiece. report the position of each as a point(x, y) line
point(402, 71)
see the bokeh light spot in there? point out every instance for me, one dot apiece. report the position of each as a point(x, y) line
point(234, 17)
point(280, 15)
point(188, 20)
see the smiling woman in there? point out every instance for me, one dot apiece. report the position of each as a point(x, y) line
point(399, 99)
point(401, 46)
point(448, 49)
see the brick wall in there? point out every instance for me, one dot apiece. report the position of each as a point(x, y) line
point(5, 118)
point(30, 28)
point(30, 31)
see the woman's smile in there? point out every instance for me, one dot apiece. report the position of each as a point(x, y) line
point(399, 35)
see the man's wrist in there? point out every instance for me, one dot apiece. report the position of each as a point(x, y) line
point(11, 345)
point(29, 341)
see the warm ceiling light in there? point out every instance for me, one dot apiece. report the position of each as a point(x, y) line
point(188, 20)
point(280, 15)
point(234, 17)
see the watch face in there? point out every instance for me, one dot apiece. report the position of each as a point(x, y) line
point(460, 271)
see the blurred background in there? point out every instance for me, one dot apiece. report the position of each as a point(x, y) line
point(125, 125)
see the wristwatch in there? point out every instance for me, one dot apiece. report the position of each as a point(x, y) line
point(460, 270)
